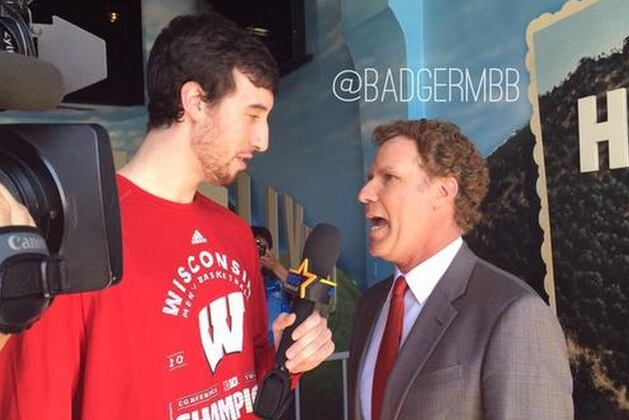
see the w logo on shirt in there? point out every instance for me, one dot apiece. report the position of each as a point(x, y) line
point(221, 327)
point(198, 238)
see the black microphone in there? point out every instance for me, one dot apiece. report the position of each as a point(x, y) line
point(29, 83)
point(310, 284)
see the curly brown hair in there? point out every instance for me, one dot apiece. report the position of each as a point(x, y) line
point(445, 151)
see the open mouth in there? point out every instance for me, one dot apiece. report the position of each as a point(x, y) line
point(243, 160)
point(377, 223)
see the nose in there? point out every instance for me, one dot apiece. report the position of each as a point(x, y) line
point(367, 194)
point(260, 140)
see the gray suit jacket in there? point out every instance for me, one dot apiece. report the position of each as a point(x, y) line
point(485, 346)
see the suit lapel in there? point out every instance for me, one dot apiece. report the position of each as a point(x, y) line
point(373, 306)
point(433, 321)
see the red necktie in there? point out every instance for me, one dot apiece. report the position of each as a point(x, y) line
point(389, 346)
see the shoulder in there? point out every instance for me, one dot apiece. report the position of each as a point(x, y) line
point(492, 297)
point(519, 310)
point(499, 287)
point(221, 214)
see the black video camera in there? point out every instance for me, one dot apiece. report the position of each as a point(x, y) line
point(64, 175)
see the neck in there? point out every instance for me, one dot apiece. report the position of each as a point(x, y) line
point(430, 250)
point(165, 165)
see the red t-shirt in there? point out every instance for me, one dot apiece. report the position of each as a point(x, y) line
point(182, 337)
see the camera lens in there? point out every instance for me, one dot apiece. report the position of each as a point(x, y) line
point(262, 248)
point(26, 177)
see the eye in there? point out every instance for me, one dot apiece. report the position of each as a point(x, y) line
point(389, 177)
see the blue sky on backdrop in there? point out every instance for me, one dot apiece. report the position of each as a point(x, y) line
point(478, 35)
point(559, 47)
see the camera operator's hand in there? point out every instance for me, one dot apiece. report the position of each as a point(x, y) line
point(272, 264)
point(12, 213)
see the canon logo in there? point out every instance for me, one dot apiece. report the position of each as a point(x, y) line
point(22, 243)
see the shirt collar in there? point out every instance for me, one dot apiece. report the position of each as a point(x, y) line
point(423, 278)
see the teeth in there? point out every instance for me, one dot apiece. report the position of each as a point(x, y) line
point(377, 222)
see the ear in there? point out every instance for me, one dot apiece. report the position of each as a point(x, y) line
point(448, 189)
point(191, 95)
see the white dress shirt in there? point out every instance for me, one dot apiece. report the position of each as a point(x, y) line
point(421, 281)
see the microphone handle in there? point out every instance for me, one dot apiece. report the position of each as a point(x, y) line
point(302, 308)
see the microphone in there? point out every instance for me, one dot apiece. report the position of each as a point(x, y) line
point(28, 83)
point(310, 284)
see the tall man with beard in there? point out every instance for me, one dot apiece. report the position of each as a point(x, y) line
point(449, 336)
point(184, 336)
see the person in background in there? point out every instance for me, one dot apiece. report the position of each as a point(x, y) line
point(274, 275)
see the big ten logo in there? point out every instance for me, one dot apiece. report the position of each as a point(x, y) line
point(176, 360)
point(250, 376)
point(221, 327)
point(615, 131)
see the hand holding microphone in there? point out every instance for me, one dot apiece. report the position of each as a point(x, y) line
point(306, 339)
point(312, 341)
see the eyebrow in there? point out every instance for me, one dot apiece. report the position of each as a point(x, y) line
point(371, 172)
point(258, 106)
point(388, 168)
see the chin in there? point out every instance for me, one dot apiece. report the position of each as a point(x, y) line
point(222, 180)
point(376, 251)
point(384, 253)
